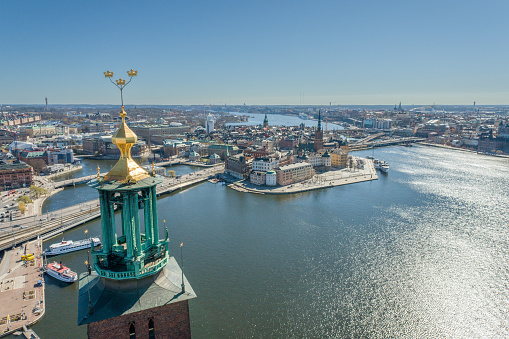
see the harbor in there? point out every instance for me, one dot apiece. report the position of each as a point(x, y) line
point(338, 236)
point(22, 294)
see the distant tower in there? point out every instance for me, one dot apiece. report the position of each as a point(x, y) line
point(133, 289)
point(209, 124)
point(399, 107)
point(46, 103)
point(265, 121)
point(318, 145)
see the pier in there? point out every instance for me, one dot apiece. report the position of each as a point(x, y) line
point(21, 288)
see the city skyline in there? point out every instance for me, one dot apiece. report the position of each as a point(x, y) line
point(257, 53)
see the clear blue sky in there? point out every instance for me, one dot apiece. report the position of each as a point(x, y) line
point(256, 52)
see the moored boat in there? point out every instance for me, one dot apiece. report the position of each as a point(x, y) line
point(384, 167)
point(71, 246)
point(376, 162)
point(61, 272)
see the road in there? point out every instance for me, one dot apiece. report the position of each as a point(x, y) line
point(49, 224)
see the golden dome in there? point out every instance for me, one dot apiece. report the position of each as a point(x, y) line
point(126, 169)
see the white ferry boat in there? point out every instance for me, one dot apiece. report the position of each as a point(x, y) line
point(384, 167)
point(61, 272)
point(303, 116)
point(71, 246)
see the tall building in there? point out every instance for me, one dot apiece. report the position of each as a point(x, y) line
point(265, 121)
point(133, 288)
point(209, 125)
point(318, 145)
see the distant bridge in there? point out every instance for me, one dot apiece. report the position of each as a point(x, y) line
point(386, 142)
point(87, 178)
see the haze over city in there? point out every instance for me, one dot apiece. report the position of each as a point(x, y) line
point(264, 52)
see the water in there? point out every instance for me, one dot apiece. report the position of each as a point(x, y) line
point(89, 167)
point(82, 193)
point(280, 120)
point(420, 253)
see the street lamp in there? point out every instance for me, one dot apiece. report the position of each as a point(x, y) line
point(121, 83)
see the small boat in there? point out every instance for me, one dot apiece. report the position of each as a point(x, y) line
point(71, 246)
point(61, 272)
point(376, 162)
point(370, 157)
point(384, 167)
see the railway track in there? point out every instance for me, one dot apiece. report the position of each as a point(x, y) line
point(64, 219)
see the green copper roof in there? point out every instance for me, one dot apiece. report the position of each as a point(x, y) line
point(112, 298)
point(118, 186)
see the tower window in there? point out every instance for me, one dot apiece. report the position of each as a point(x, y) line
point(132, 331)
point(151, 333)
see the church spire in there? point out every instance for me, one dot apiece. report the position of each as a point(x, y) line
point(319, 120)
point(265, 121)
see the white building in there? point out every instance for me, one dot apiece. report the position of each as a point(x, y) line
point(265, 164)
point(209, 125)
point(271, 178)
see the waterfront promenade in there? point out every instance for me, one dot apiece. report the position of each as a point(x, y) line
point(21, 296)
point(50, 224)
point(320, 181)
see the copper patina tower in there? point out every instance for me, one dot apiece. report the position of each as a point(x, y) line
point(133, 289)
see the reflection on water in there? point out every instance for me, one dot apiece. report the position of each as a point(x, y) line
point(420, 253)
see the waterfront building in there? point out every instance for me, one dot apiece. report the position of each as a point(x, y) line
point(339, 157)
point(258, 178)
point(60, 156)
point(14, 174)
point(209, 125)
point(271, 178)
point(238, 166)
point(214, 159)
point(133, 289)
point(193, 156)
point(265, 164)
point(290, 174)
point(327, 161)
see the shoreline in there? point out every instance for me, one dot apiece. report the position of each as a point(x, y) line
point(324, 180)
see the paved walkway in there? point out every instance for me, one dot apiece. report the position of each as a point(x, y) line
point(19, 292)
point(325, 180)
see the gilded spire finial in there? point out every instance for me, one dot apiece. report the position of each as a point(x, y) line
point(98, 173)
point(153, 169)
point(126, 170)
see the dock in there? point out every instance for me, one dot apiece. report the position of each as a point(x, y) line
point(21, 289)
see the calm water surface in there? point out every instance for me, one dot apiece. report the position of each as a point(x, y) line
point(420, 253)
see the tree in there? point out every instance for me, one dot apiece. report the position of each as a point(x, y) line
point(25, 199)
point(22, 207)
point(37, 191)
point(171, 174)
